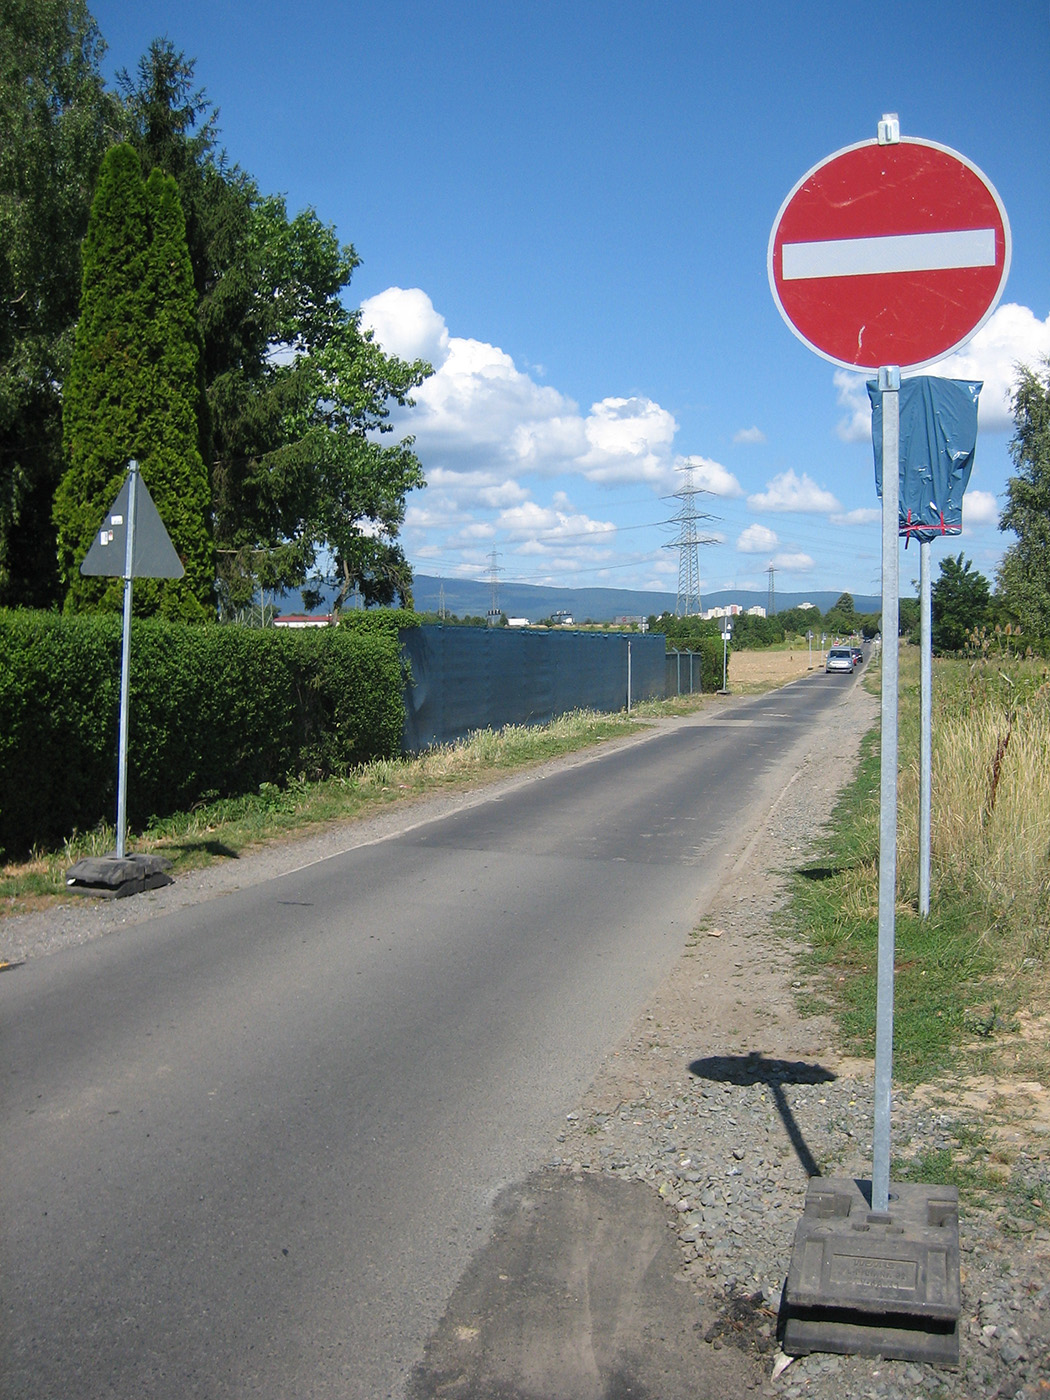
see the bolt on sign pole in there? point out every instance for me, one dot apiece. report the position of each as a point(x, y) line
point(925, 726)
point(889, 384)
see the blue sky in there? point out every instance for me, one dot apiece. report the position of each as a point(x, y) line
point(566, 208)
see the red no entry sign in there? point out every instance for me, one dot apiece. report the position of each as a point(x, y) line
point(889, 254)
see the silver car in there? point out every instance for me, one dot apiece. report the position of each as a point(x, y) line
point(840, 659)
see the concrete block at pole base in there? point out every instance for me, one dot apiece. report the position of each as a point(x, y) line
point(114, 877)
point(871, 1284)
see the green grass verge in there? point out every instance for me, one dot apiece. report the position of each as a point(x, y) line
point(941, 964)
point(224, 828)
point(954, 1005)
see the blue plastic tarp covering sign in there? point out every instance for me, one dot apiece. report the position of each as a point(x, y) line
point(938, 434)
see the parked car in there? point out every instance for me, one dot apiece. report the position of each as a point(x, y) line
point(840, 659)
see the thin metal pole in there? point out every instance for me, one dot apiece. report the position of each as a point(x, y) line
point(125, 663)
point(925, 726)
point(889, 384)
point(628, 677)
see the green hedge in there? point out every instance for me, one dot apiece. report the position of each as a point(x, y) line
point(709, 650)
point(213, 711)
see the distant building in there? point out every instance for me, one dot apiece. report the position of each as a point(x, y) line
point(807, 607)
point(304, 620)
point(562, 619)
point(517, 622)
point(730, 610)
point(756, 611)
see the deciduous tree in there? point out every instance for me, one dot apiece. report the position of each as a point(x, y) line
point(1024, 574)
point(958, 604)
point(298, 397)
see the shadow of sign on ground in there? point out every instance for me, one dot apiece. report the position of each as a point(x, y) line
point(774, 1074)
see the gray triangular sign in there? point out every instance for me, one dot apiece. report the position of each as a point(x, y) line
point(153, 554)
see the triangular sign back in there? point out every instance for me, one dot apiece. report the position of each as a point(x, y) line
point(153, 554)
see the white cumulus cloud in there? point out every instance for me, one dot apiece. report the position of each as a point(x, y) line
point(757, 539)
point(406, 325)
point(1013, 335)
point(490, 489)
point(789, 491)
point(545, 525)
point(710, 476)
point(479, 412)
point(792, 563)
point(980, 508)
point(865, 515)
point(628, 440)
point(748, 436)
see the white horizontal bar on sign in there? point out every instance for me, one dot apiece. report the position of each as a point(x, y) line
point(904, 252)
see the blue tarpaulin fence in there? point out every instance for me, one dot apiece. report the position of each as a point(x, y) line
point(469, 678)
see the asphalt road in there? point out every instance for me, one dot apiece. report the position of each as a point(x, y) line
point(249, 1147)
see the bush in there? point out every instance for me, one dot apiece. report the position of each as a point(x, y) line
point(213, 711)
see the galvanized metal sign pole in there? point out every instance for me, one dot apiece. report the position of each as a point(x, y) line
point(889, 384)
point(132, 543)
point(925, 725)
point(125, 664)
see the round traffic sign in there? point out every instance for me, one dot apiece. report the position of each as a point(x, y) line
point(889, 254)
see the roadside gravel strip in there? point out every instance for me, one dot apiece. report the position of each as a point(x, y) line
point(725, 1101)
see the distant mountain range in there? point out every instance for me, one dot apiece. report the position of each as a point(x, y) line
point(473, 598)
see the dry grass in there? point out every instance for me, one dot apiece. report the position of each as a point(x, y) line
point(753, 671)
point(990, 784)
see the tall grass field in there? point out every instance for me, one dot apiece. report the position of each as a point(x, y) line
point(966, 973)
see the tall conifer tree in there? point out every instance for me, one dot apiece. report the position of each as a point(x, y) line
point(56, 122)
point(134, 389)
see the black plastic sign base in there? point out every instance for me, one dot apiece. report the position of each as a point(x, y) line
point(870, 1284)
point(114, 877)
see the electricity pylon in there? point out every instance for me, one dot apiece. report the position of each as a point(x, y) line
point(687, 604)
point(494, 573)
